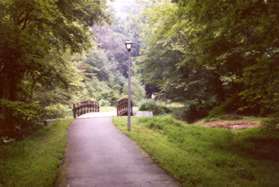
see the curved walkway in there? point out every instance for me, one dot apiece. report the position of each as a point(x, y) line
point(99, 155)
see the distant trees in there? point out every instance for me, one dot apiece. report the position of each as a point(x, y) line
point(215, 53)
point(102, 79)
point(37, 40)
point(106, 65)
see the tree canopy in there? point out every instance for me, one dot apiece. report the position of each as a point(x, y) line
point(37, 37)
point(215, 57)
point(221, 53)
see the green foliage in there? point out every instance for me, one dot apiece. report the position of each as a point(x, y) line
point(214, 53)
point(155, 107)
point(261, 82)
point(35, 160)
point(138, 92)
point(105, 81)
point(104, 102)
point(56, 111)
point(232, 105)
point(192, 111)
point(106, 65)
point(102, 79)
point(199, 156)
point(38, 40)
point(217, 111)
point(20, 113)
point(271, 123)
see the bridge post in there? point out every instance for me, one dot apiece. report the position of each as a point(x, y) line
point(74, 110)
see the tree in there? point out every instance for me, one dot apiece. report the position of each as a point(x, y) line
point(35, 35)
point(242, 50)
point(214, 53)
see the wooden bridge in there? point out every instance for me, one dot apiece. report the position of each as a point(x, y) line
point(93, 106)
point(122, 107)
point(85, 107)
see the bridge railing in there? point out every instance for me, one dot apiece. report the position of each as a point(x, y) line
point(122, 107)
point(85, 107)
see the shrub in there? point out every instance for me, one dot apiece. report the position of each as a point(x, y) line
point(20, 110)
point(271, 123)
point(56, 111)
point(103, 102)
point(18, 116)
point(192, 112)
point(155, 107)
point(217, 111)
point(230, 105)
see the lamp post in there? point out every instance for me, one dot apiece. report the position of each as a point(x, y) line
point(129, 45)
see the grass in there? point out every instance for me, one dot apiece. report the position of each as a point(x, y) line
point(34, 161)
point(198, 156)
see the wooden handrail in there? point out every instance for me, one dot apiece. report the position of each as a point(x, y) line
point(122, 107)
point(85, 107)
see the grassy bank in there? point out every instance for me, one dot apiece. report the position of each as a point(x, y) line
point(34, 161)
point(199, 156)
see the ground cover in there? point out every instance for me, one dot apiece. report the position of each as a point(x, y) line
point(200, 156)
point(34, 161)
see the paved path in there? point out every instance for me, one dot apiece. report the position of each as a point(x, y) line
point(99, 155)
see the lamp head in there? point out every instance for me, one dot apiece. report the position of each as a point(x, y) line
point(129, 45)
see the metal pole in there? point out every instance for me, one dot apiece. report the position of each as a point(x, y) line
point(129, 92)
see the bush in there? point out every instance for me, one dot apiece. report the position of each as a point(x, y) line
point(18, 116)
point(230, 105)
point(217, 111)
point(271, 123)
point(192, 112)
point(155, 107)
point(103, 102)
point(20, 111)
point(56, 111)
